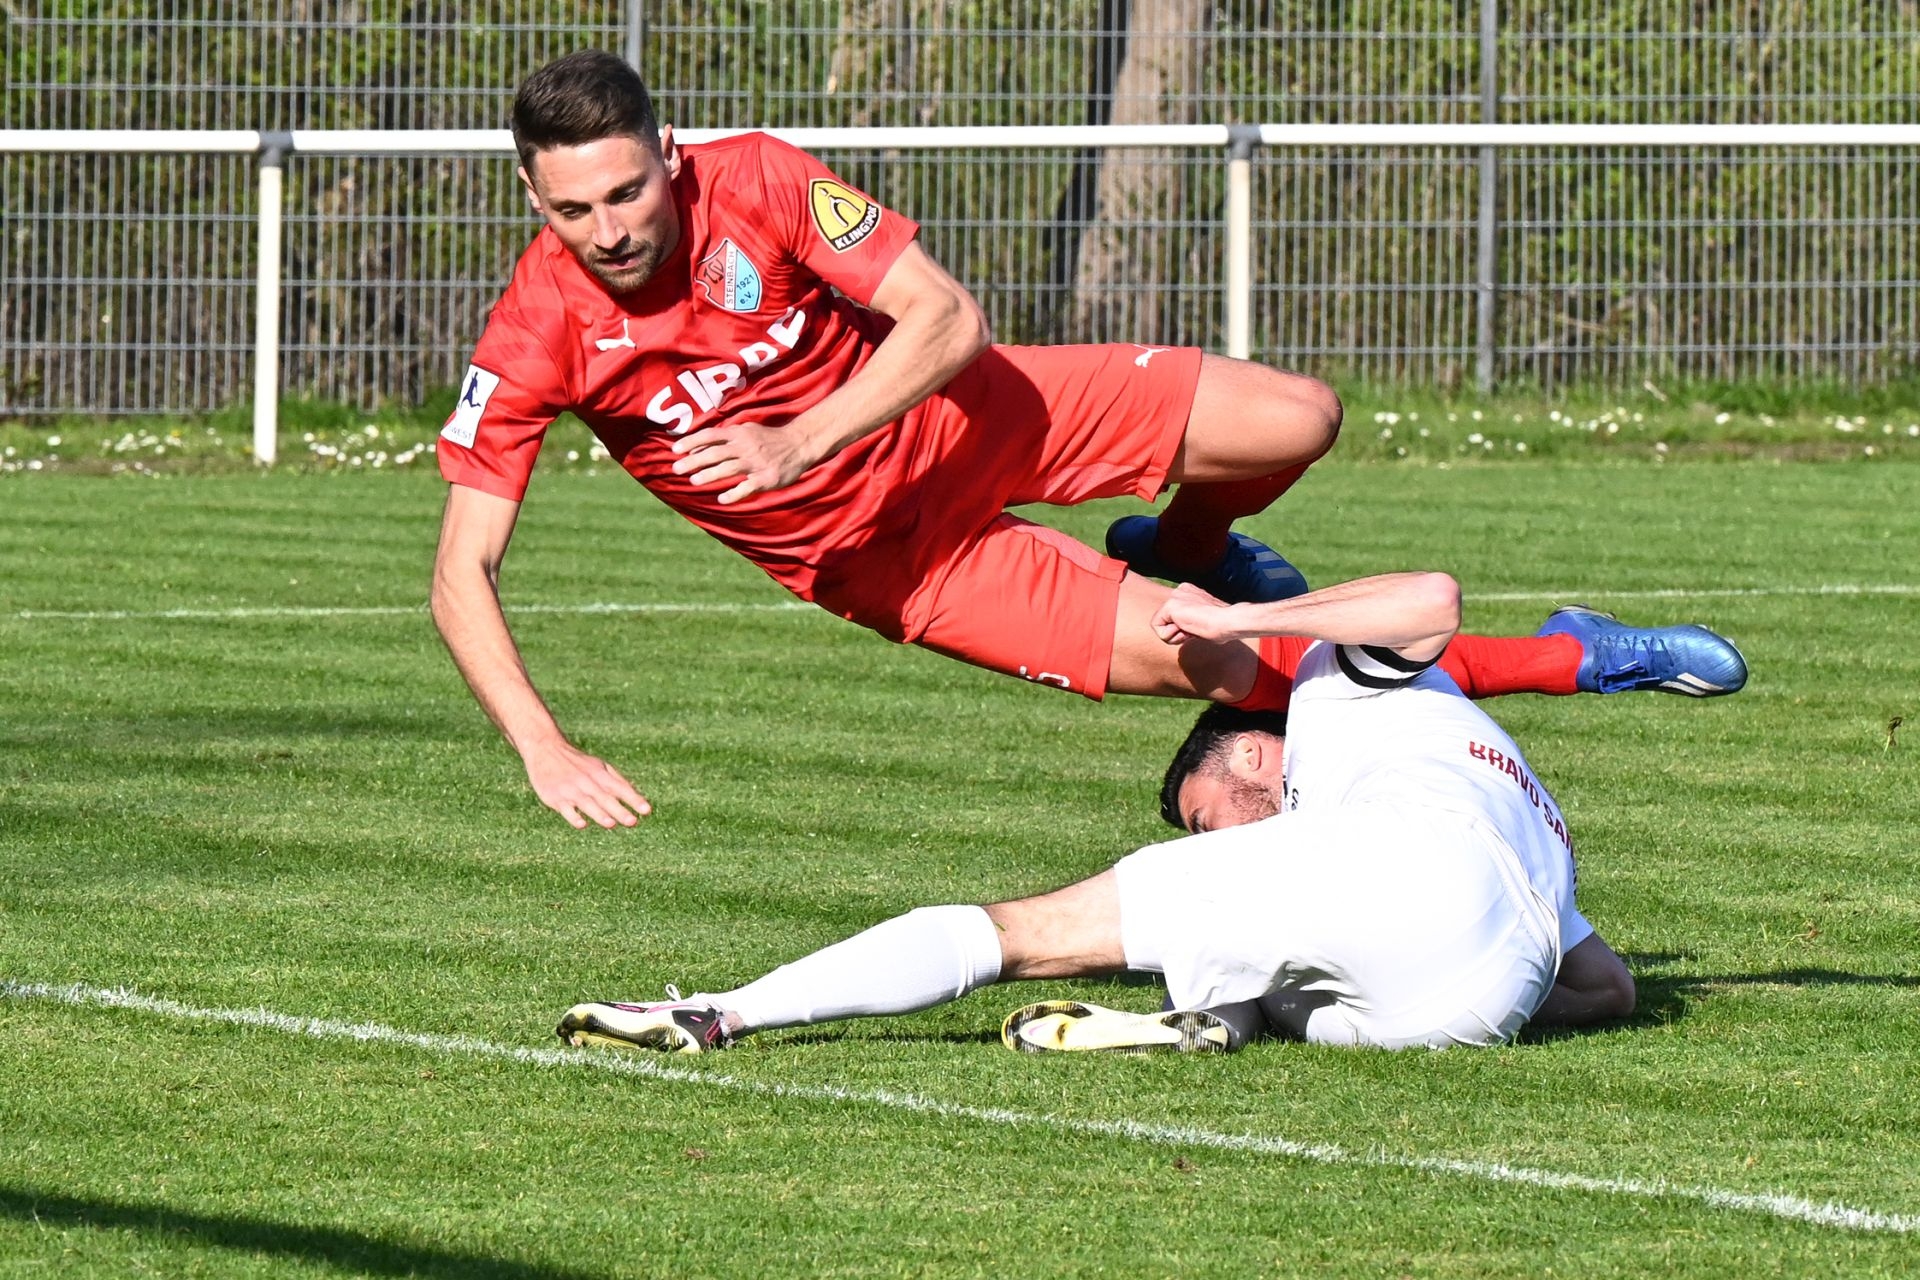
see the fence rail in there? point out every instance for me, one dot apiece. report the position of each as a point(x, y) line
point(1804, 240)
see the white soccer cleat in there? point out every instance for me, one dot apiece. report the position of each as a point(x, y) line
point(1069, 1026)
point(667, 1026)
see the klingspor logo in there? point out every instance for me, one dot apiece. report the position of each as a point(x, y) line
point(844, 216)
point(730, 278)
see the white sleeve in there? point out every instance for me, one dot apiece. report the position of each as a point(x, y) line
point(1354, 671)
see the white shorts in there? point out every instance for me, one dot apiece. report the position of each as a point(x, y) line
point(1373, 924)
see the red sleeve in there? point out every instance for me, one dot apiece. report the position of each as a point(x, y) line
point(1285, 653)
point(836, 231)
point(1280, 658)
point(509, 395)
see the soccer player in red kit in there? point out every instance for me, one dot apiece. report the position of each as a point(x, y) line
point(771, 353)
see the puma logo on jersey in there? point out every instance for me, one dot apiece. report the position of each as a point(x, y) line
point(708, 387)
point(614, 344)
point(1147, 353)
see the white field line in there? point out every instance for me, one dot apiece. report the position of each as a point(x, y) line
point(1775, 1205)
point(1701, 593)
point(1586, 594)
point(396, 610)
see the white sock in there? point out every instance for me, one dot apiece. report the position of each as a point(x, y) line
point(911, 962)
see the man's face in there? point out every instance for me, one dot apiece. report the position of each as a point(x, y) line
point(611, 204)
point(1246, 788)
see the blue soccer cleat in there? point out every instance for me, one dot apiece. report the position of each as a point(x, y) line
point(1250, 573)
point(1688, 660)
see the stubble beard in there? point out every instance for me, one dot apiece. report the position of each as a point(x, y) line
point(625, 279)
point(1251, 801)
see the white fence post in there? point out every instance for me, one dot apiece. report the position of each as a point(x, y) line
point(1241, 139)
point(636, 34)
point(266, 321)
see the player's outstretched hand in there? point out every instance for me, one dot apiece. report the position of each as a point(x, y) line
point(583, 788)
point(1192, 614)
point(759, 459)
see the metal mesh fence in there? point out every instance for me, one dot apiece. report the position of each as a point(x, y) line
point(126, 283)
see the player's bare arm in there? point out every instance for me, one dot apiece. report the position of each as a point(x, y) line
point(474, 535)
point(938, 330)
point(1593, 985)
point(1414, 614)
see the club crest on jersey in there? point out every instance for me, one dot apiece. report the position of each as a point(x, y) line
point(843, 215)
point(730, 278)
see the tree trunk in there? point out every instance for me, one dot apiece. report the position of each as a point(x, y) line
point(868, 63)
point(1125, 262)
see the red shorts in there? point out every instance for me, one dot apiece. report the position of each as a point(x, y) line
point(946, 568)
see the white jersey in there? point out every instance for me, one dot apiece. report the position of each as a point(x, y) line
point(1416, 889)
point(1426, 745)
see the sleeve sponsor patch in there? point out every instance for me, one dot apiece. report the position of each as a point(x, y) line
point(475, 390)
point(843, 215)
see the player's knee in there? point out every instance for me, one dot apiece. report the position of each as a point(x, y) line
point(1306, 413)
point(1620, 996)
point(1322, 411)
point(1609, 993)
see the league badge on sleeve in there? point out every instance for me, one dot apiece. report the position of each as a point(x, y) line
point(475, 390)
point(844, 216)
point(730, 278)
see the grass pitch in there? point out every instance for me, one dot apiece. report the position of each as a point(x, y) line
point(240, 780)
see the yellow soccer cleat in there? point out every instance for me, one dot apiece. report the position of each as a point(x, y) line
point(1069, 1026)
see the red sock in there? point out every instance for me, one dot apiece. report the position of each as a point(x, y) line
point(1193, 528)
point(1273, 680)
point(1488, 666)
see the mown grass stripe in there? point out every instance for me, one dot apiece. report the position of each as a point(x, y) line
point(1586, 594)
point(1776, 1205)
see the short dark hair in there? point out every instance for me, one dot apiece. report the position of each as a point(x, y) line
point(1206, 747)
point(581, 98)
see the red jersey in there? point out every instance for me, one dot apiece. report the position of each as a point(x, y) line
point(740, 321)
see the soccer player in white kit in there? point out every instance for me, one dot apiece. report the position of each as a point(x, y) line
point(1388, 873)
point(1416, 886)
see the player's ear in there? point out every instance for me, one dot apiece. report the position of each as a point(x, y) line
point(1249, 753)
point(533, 197)
point(669, 152)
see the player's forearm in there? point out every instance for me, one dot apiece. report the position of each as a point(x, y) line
point(466, 609)
point(930, 343)
point(1411, 612)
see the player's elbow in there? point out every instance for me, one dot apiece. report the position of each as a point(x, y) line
point(455, 579)
point(441, 595)
point(1438, 602)
point(971, 330)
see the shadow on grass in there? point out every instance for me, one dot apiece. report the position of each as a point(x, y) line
point(1664, 998)
point(830, 1033)
point(1667, 998)
point(334, 1246)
